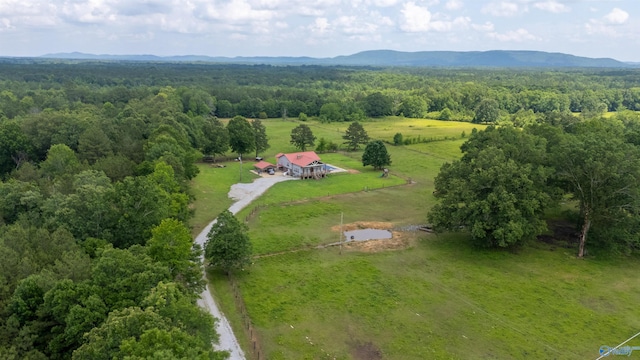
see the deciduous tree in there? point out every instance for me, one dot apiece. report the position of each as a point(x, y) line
point(241, 136)
point(375, 154)
point(260, 136)
point(602, 172)
point(302, 136)
point(228, 246)
point(378, 104)
point(487, 112)
point(216, 137)
point(171, 245)
point(497, 190)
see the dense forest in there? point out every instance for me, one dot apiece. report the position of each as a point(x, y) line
point(96, 158)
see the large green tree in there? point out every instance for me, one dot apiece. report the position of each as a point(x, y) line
point(355, 136)
point(378, 104)
point(228, 246)
point(414, 107)
point(602, 172)
point(260, 136)
point(15, 147)
point(487, 112)
point(497, 191)
point(241, 135)
point(302, 136)
point(375, 154)
point(330, 112)
point(171, 244)
point(216, 137)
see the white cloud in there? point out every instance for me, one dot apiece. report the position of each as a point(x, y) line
point(519, 35)
point(416, 18)
point(594, 27)
point(28, 13)
point(384, 3)
point(552, 6)
point(502, 8)
point(488, 26)
point(236, 11)
point(320, 26)
point(380, 19)
point(608, 24)
point(617, 16)
point(454, 5)
point(352, 25)
point(419, 19)
point(91, 12)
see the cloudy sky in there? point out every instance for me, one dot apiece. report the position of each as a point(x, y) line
point(318, 28)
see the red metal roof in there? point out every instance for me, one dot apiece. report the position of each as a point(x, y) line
point(263, 165)
point(302, 158)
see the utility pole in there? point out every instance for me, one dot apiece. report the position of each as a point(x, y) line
point(341, 233)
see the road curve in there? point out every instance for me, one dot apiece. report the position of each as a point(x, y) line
point(244, 194)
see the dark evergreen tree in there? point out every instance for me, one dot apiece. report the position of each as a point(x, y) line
point(355, 136)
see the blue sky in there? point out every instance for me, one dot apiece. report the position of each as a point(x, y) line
point(320, 28)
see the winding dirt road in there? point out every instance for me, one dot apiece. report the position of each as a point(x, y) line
point(244, 194)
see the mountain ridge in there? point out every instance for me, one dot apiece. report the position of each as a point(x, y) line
point(491, 58)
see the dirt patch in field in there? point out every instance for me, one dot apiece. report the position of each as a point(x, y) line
point(399, 239)
point(352, 171)
point(363, 225)
point(365, 351)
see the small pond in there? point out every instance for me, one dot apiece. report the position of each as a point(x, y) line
point(367, 234)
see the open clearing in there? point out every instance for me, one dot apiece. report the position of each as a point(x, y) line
point(417, 295)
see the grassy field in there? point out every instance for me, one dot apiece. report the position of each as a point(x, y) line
point(211, 188)
point(433, 297)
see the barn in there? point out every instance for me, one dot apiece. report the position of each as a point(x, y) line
point(304, 165)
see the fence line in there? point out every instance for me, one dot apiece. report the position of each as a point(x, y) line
point(256, 351)
point(253, 213)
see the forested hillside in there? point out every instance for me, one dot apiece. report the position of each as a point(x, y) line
point(96, 159)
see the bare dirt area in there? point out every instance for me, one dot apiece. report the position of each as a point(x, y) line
point(351, 171)
point(364, 225)
point(399, 240)
point(365, 351)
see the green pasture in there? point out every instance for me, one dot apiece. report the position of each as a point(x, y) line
point(440, 300)
point(437, 299)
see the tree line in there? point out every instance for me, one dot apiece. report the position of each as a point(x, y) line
point(329, 93)
point(508, 178)
point(98, 260)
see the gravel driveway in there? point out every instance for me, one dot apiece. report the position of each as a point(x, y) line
point(244, 194)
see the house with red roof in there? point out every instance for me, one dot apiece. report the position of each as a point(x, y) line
point(305, 165)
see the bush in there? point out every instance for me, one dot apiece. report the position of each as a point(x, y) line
point(397, 139)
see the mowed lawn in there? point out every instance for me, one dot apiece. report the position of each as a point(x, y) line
point(435, 299)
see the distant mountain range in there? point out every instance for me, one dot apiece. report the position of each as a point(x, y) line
point(494, 58)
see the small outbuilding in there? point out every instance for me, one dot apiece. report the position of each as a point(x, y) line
point(305, 165)
point(263, 166)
